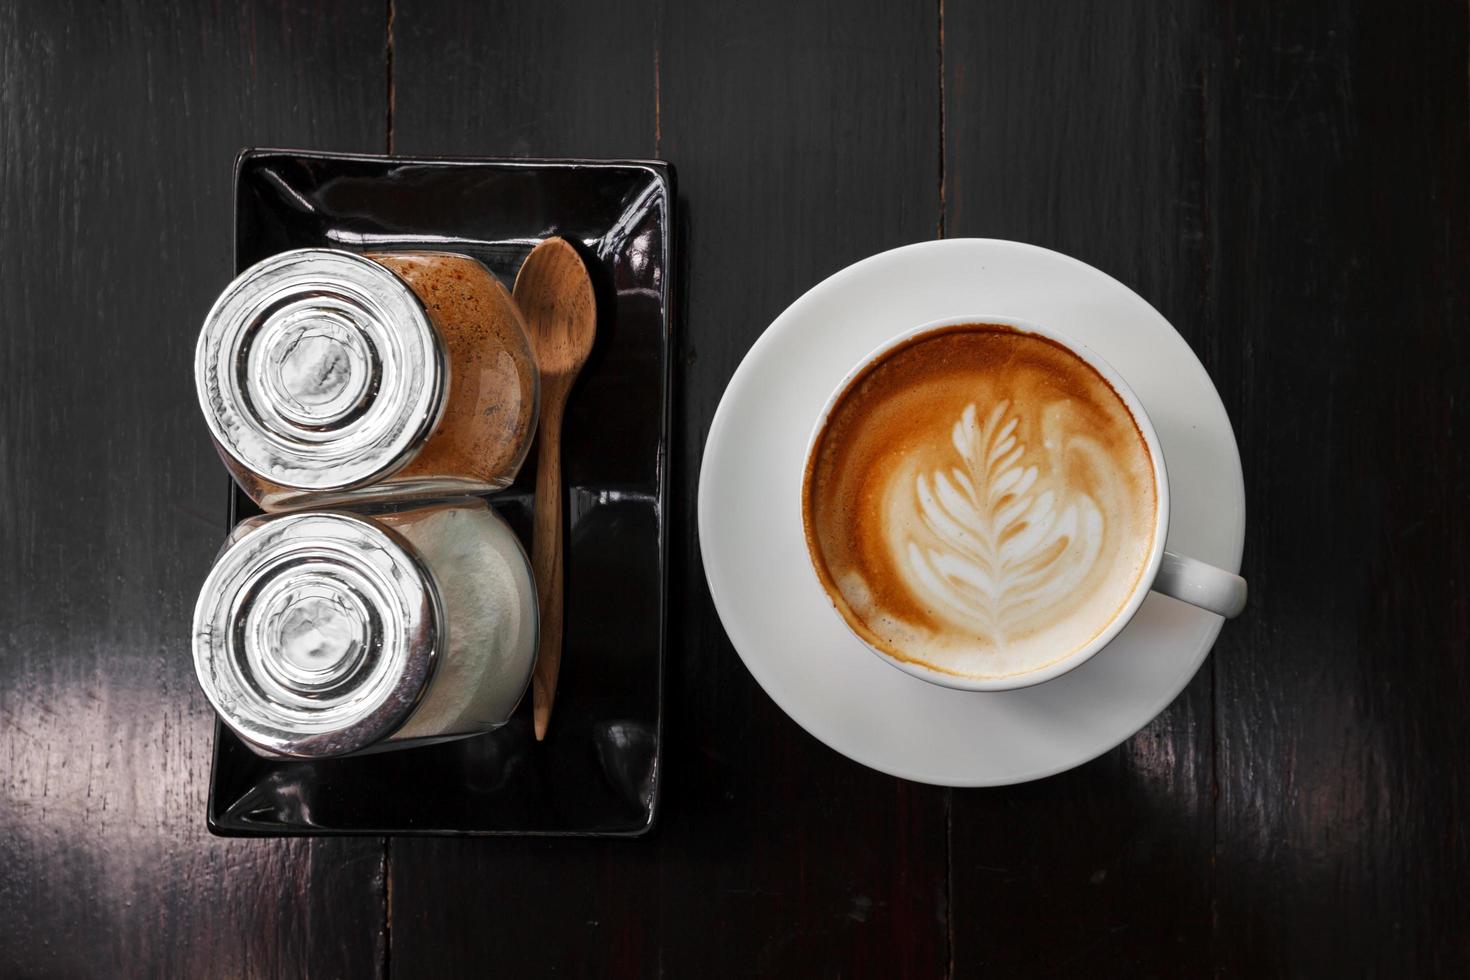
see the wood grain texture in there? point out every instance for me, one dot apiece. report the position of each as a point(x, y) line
point(1079, 127)
point(1340, 266)
point(569, 78)
point(118, 127)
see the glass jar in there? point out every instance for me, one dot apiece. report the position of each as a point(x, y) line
point(327, 376)
point(321, 634)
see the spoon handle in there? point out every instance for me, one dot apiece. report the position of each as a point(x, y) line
point(546, 563)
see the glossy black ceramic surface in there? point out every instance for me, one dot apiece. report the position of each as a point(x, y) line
point(597, 771)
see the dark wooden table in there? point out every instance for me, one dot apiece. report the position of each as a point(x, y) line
point(1287, 183)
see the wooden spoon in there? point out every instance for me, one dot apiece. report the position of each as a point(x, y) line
point(554, 293)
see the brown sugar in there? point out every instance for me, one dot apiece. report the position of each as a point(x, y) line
point(490, 407)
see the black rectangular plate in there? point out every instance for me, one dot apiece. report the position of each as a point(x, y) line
point(597, 772)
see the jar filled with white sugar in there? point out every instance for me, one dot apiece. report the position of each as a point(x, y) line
point(322, 634)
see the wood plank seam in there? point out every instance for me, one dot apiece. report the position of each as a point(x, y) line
point(388, 70)
point(387, 860)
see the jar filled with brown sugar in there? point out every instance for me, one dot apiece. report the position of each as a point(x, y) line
point(329, 377)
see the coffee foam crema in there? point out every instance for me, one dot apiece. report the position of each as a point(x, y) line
point(980, 502)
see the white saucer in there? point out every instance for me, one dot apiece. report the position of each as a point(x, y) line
point(781, 622)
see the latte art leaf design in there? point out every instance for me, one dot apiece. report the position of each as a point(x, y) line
point(1005, 540)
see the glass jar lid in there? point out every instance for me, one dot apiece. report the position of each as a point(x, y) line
point(319, 370)
point(315, 634)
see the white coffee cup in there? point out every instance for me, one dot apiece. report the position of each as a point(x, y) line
point(1196, 582)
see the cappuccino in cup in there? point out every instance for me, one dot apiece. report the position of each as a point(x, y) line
point(981, 504)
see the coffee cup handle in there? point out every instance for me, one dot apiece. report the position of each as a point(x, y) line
point(1199, 584)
